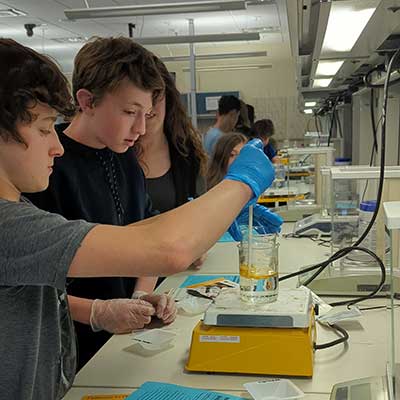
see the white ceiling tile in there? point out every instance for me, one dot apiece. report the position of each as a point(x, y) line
point(50, 13)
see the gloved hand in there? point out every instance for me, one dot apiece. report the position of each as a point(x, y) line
point(120, 315)
point(164, 305)
point(264, 220)
point(253, 168)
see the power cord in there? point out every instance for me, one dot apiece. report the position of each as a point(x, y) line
point(343, 252)
point(340, 332)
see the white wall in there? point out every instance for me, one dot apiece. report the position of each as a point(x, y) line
point(272, 91)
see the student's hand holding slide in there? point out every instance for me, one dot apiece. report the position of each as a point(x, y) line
point(164, 305)
point(120, 315)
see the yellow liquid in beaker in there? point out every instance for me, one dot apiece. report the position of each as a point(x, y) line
point(258, 285)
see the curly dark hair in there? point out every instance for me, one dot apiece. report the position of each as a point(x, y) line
point(177, 126)
point(26, 79)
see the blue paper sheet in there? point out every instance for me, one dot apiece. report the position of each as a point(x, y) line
point(166, 391)
point(195, 279)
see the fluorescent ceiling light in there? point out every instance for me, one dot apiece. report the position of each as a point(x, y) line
point(12, 12)
point(76, 39)
point(230, 67)
point(155, 9)
point(322, 82)
point(345, 24)
point(328, 68)
point(308, 111)
point(220, 56)
point(310, 103)
point(264, 29)
point(211, 38)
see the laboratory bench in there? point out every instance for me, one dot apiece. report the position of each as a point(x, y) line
point(78, 393)
point(366, 354)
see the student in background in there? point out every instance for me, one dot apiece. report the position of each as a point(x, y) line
point(251, 114)
point(227, 117)
point(171, 152)
point(226, 150)
point(264, 129)
point(115, 82)
point(243, 124)
point(38, 250)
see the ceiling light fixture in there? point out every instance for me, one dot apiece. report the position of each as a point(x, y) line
point(322, 82)
point(76, 39)
point(345, 24)
point(12, 12)
point(264, 29)
point(310, 103)
point(328, 68)
point(211, 38)
point(308, 111)
point(155, 9)
point(220, 56)
point(230, 67)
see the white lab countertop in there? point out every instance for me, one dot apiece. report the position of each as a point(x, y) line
point(117, 366)
point(77, 393)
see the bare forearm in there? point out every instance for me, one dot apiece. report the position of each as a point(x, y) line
point(146, 284)
point(165, 244)
point(198, 224)
point(80, 309)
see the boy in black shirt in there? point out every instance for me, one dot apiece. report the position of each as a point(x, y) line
point(99, 180)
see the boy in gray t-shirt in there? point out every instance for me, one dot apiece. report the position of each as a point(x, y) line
point(38, 250)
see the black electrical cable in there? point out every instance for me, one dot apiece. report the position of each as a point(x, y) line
point(367, 77)
point(375, 137)
point(374, 292)
point(373, 124)
point(317, 126)
point(371, 161)
point(343, 252)
point(344, 338)
point(333, 119)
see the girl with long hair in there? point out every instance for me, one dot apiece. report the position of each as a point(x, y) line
point(226, 150)
point(171, 152)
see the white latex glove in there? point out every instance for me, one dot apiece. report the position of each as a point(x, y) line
point(120, 315)
point(163, 304)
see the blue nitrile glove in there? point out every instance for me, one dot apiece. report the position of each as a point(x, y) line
point(265, 221)
point(253, 168)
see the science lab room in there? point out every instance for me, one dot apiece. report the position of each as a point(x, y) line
point(200, 199)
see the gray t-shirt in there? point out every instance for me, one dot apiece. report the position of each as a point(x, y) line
point(37, 343)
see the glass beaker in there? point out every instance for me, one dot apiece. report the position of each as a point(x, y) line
point(259, 277)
